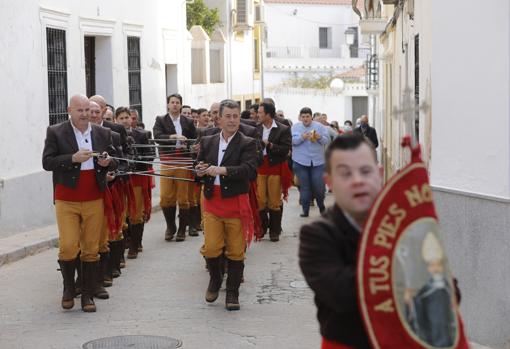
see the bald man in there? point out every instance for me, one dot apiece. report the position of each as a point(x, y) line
point(71, 152)
point(105, 123)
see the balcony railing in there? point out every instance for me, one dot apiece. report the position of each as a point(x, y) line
point(316, 52)
point(284, 52)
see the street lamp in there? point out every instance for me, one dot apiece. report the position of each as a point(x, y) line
point(350, 36)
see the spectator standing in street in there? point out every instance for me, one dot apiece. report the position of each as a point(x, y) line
point(308, 141)
point(366, 130)
point(332, 133)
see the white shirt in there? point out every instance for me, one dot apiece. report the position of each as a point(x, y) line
point(265, 133)
point(177, 126)
point(221, 151)
point(84, 141)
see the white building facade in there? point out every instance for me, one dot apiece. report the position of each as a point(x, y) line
point(305, 49)
point(126, 51)
point(226, 64)
point(438, 58)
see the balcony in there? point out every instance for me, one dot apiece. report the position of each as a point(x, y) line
point(315, 52)
point(284, 52)
point(303, 52)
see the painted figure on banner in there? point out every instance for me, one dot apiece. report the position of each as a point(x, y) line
point(424, 290)
point(408, 296)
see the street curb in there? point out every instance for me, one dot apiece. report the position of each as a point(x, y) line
point(21, 245)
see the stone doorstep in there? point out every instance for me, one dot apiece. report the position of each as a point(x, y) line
point(19, 246)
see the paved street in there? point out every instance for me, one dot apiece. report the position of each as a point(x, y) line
point(162, 293)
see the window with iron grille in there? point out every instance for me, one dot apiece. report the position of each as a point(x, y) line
point(241, 9)
point(57, 75)
point(134, 68)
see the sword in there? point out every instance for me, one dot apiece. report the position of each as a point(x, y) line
point(154, 175)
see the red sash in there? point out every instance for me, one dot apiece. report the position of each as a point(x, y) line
point(327, 344)
point(282, 170)
point(234, 207)
point(86, 189)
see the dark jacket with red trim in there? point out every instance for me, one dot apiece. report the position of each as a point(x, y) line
point(59, 147)
point(280, 143)
point(164, 128)
point(327, 257)
point(245, 129)
point(239, 159)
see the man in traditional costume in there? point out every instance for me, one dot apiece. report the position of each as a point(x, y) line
point(274, 176)
point(178, 130)
point(76, 151)
point(328, 246)
point(227, 161)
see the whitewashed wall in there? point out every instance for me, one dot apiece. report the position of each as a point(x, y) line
point(470, 93)
point(302, 29)
point(24, 97)
point(240, 78)
point(337, 106)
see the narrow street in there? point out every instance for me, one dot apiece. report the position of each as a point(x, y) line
point(162, 293)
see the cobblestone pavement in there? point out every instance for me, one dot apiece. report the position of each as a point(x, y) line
point(162, 293)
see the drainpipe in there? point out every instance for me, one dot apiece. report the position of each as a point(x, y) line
point(230, 34)
point(262, 39)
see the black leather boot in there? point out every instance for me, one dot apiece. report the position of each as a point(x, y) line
point(116, 251)
point(235, 274)
point(108, 274)
point(89, 270)
point(136, 237)
point(140, 247)
point(99, 290)
point(275, 225)
point(123, 246)
point(77, 284)
point(67, 269)
point(264, 221)
point(183, 224)
point(194, 222)
point(171, 228)
point(214, 267)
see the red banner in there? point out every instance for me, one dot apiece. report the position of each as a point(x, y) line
point(405, 287)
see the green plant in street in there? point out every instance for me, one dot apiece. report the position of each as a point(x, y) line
point(197, 13)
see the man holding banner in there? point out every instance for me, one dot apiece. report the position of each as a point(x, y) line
point(375, 259)
point(327, 251)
